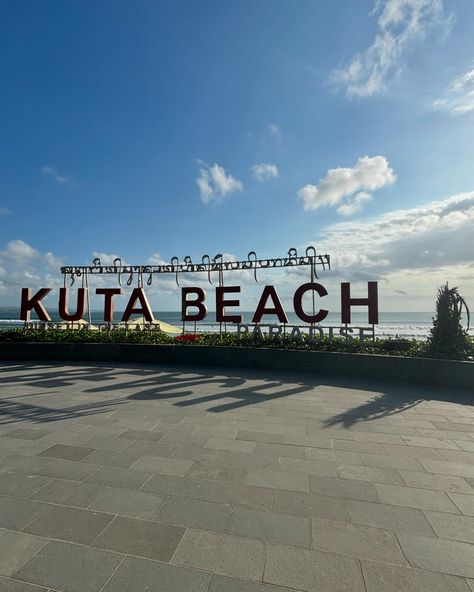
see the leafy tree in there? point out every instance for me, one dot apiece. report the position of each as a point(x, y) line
point(447, 337)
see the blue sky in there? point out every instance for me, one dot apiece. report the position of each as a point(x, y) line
point(154, 129)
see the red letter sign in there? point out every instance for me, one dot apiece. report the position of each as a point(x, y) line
point(63, 303)
point(221, 304)
point(109, 294)
point(298, 303)
point(144, 309)
point(269, 292)
point(29, 303)
point(372, 302)
point(197, 303)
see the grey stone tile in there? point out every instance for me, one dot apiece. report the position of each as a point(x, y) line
point(412, 497)
point(271, 526)
point(117, 477)
point(388, 578)
point(255, 436)
point(277, 479)
point(452, 526)
point(339, 457)
point(128, 503)
point(17, 485)
point(9, 585)
point(448, 468)
point(191, 513)
point(69, 524)
point(321, 441)
point(67, 493)
point(239, 495)
point(216, 472)
point(379, 437)
point(282, 450)
point(225, 584)
point(65, 452)
point(215, 432)
point(371, 474)
point(344, 488)
point(112, 443)
point(459, 456)
point(70, 568)
point(18, 463)
point(27, 434)
point(16, 513)
point(222, 554)
point(351, 445)
point(309, 467)
point(391, 461)
point(440, 555)
point(143, 575)
point(16, 548)
point(19, 446)
point(439, 443)
point(247, 461)
point(142, 538)
point(73, 438)
point(447, 483)
point(66, 469)
point(231, 445)
point(167, 466)
point(310, 504)
point(198, 454)
point(311, 570)
point(112, 458)
point(174, 437)
point(395, 518)
point(353, 540)
point(176, 486)
point(149, 435)
point(464, 502)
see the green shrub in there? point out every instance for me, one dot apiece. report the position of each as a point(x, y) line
point(447, 337)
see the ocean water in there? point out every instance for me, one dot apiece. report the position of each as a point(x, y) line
point(401, 324)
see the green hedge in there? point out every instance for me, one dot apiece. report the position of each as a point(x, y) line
point(394, 347)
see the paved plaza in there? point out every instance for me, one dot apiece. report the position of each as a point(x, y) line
point(146, 478)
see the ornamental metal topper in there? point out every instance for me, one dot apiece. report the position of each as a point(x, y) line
point(216, 264)
point(194, 297)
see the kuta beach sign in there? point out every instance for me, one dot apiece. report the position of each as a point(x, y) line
point(226, 295)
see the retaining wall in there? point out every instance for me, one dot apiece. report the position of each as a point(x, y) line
point(446, 373)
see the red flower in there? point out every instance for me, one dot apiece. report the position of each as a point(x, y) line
point(187, 337)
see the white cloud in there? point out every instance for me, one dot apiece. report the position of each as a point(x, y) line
point(24, 266)
point(274, 132)
point(350, 184)
point(19, 250)
point(107, 258)
point(458, 98)
point(401, 25)
point(4, 211)
point(52, 261)
point(50, 171)
point(355, 205)
point(264, 171)
point(215, 185)
point(156, 259)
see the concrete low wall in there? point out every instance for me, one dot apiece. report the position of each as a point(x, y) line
point(447, 373)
